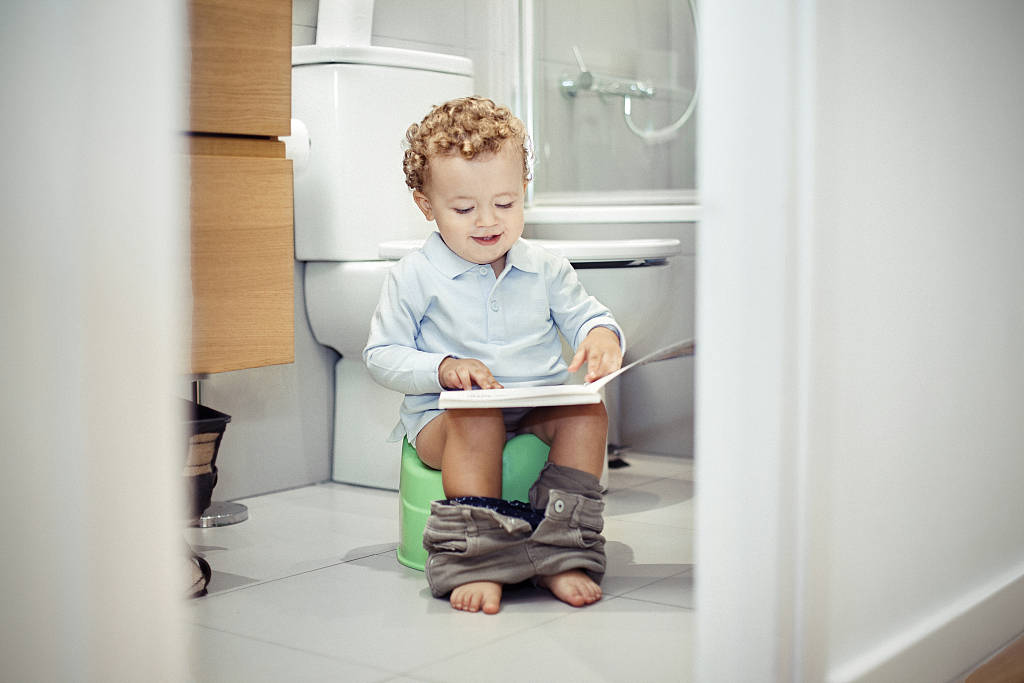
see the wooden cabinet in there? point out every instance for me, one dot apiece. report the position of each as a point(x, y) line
point(241, 67)
point(242, 257)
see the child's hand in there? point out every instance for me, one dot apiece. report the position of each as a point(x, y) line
point(461, 373)
point(601, 351)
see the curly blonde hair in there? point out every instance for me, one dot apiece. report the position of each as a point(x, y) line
point(467, 126)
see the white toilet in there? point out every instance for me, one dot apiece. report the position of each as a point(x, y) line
point(354, 217)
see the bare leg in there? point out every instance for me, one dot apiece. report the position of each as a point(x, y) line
point(466, 446)
point(577, 437)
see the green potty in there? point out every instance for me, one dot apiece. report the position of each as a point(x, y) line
point(521, 462)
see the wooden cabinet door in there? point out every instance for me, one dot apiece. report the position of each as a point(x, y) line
point(242, 262)
point(240, 67)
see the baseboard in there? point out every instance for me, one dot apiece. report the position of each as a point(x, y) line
point(947, 643)
point(1005, 666)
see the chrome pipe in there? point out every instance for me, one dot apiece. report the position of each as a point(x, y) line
point(586, 81)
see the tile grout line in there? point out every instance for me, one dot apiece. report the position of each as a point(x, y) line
point(650, 583)
point(496, 639)
point(659, 604)
point(263, 582)
point(309, 653)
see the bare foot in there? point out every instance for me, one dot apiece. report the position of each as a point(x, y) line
point(573, 587)
point(477, 595)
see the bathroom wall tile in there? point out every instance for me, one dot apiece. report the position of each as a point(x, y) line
point(558, 27)
point(406, 44)
point(441, 22)
point(304, 12)
point(492, 24)
point(303, 35)
point(584, 142)
point(492, 37)
point(281, 415)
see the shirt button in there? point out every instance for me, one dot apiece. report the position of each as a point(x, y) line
point(482, 270)
point(494, 305)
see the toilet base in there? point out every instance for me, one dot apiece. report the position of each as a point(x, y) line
point(364, 415)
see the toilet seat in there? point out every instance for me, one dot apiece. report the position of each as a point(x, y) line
point(609, 252)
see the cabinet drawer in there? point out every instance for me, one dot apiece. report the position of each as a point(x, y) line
point(240, 71)
point(242, 263)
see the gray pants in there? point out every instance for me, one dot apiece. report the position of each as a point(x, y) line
point(470, 542)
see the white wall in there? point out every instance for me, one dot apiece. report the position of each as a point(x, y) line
point(486, 31)
point(92, 281)
point(861, 316)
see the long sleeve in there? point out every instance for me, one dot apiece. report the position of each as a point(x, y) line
point(574, 311)
point(391, 353)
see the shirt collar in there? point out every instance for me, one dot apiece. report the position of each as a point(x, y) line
point(521, 255)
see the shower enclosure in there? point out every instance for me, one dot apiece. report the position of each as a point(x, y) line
point(608, 92)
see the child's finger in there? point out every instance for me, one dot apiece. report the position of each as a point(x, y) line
point(577, 360)
point(485, 380)
point(600, 366)
point(464, 378)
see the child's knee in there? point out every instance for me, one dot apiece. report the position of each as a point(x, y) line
point(598, 413)
point(591, 417)
point(479, 424)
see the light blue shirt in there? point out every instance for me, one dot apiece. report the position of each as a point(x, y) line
point(435, 304)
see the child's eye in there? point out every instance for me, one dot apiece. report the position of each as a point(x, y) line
point(463, 212)
point(505, 206)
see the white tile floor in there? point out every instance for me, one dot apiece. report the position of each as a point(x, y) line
point(308, 589)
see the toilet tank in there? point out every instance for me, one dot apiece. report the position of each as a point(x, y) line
point(355, 104)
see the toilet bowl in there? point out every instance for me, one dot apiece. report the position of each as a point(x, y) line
point(354, 218)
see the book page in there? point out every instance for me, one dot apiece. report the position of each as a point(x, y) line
point(562, 394)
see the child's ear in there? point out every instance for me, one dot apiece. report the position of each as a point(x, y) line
point(424, 204)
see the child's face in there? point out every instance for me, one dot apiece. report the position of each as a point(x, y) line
point(477, 204)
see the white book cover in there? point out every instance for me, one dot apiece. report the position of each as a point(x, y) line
point(557, 395)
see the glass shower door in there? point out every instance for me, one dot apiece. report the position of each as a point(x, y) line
point(608, 95)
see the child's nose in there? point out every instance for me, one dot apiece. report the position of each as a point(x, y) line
point(485, 217)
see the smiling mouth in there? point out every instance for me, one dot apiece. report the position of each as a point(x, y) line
point(488, 240)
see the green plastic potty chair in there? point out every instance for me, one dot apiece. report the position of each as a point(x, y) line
point(418, 485)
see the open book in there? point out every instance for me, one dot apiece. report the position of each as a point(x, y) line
point(557, 395)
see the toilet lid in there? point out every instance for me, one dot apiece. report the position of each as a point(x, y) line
point(381, 56)
point(577, 251)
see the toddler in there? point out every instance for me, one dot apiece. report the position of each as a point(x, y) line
point(477, 306)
